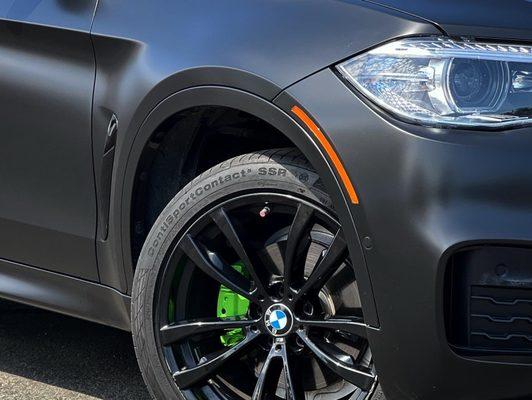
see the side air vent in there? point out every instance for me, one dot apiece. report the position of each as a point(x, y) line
point(106, 175)
point(489, 300)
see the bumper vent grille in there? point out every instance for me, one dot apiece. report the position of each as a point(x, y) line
point(501, 318)
point(489, 301)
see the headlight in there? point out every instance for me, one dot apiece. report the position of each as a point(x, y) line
point(438, 81)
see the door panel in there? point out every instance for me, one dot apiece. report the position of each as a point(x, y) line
point(47, 200)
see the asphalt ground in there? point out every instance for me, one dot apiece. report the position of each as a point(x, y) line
point(49, 356)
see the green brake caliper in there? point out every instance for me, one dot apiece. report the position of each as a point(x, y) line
point(231, 304)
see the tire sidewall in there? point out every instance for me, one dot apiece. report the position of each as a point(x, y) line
point(246, 174)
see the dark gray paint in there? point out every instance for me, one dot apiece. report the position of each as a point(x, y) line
point(64, 294)
point(47, 201)
point(422, 190)
point(259, 47)
point(491, 19)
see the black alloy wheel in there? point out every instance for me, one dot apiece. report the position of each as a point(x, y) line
point(249, 292)
point(290, 250)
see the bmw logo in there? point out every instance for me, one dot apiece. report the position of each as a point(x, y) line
point(278, 320)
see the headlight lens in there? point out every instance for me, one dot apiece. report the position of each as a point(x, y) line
point(438, 81)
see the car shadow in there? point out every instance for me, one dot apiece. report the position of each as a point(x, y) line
point(77, 359)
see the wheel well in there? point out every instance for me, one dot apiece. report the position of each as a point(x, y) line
point(186, 144)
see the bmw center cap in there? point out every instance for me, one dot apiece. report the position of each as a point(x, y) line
point(278, 320)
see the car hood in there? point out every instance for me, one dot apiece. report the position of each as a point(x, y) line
point(493, 19)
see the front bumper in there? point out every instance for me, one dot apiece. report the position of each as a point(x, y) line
point(422, 192)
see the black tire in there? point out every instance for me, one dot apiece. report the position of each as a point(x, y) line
point(280, 170)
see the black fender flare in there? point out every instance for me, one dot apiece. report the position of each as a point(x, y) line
point(267, 111)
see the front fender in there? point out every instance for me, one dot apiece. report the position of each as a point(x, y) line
point(125, 171)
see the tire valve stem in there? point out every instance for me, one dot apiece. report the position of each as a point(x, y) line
point(264, 212)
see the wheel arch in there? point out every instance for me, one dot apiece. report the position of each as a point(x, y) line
point(264, 110)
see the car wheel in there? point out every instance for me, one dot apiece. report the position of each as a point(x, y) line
point(244, 289)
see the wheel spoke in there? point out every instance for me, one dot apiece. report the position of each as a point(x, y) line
point(191, 376)
point(269, 376)
point(268, 380)
point(354, 326)
point(292, 379)
point(179, 331)
point(358, 377)
point(336, 353)
point(225, 225)
point(213, 266)
point(327, 266)
point(296, 242)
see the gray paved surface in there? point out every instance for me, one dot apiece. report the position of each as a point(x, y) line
point(47, 356)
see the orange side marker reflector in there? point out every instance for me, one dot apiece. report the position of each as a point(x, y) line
point(330, 152)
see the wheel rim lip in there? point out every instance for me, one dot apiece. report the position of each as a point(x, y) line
point(174, 254)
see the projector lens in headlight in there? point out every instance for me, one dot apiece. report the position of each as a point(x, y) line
point(441, 82)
